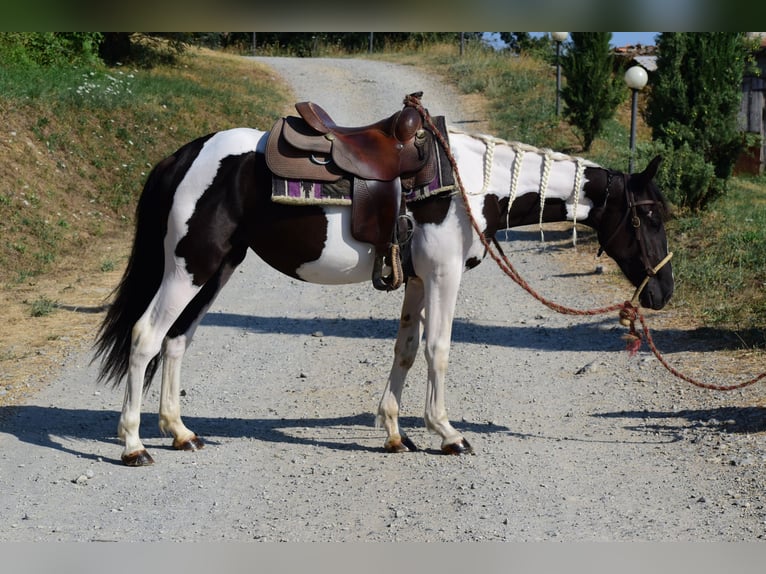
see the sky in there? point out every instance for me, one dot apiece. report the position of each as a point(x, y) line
point(626, 38)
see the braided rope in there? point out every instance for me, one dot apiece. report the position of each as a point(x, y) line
point(579, 173)
point(518, 158)
point(629, 312)
point(688, 379)
point(501, 259)
point(544, 178)
point(489, 157)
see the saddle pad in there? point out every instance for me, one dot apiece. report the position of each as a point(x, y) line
point(301, 192)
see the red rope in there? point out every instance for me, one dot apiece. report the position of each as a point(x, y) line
point(687, 378)
point(629, 311)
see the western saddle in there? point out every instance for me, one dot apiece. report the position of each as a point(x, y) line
point(377, 157)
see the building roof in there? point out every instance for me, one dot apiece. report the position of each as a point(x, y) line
point(648, 62)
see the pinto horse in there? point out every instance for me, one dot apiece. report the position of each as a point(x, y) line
point(205, 205)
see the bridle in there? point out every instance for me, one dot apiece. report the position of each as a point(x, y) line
point(631, 215)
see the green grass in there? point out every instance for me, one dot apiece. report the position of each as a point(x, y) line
point(720, 259)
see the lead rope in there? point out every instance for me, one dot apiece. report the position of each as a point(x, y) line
point(629, 310)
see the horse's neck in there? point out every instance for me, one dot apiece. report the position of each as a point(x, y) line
point(539, 185)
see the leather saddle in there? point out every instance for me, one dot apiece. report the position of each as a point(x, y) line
point(377, 157)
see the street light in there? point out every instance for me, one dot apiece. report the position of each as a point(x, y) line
point(558, 37)
point(636, 79)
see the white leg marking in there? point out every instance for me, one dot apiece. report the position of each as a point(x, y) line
point(405, 351)
point(440, 299)
point(170, 404)
point(174, 294)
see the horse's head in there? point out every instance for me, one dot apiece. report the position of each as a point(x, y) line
point(631, 229)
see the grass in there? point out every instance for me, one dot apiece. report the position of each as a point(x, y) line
point(77, 144)
point(721, 260)
point(41, 307)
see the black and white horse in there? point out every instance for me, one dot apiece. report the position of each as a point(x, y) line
point(205, 205)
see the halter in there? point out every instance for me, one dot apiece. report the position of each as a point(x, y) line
point(635, 221)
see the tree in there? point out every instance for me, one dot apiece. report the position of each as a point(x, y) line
point(692, 110)
point(591, 93)
point(518, 42)
point(142, 49)
point(48, 48)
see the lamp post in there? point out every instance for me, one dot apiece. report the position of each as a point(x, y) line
point(558, 37)
point(636, 79)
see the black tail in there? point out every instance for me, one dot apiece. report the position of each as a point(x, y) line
point(143, 275)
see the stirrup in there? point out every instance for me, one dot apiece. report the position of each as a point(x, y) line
point(390, 282)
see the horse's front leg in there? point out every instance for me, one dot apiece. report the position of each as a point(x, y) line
point(405, 350)
point(440, 300)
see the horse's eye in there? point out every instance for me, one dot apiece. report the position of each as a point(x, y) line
point(654, 217)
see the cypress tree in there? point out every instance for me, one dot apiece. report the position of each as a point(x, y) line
point(592, 93)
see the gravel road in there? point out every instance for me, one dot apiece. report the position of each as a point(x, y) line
point(574, 440)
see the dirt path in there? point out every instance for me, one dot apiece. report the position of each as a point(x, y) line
point(575, 440)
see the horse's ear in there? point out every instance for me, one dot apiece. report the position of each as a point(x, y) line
point(651, 170)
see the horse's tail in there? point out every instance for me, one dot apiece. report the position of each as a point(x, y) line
point(138, 285)
point(143, 275)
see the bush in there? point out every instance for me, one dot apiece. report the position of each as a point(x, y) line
point(687, 180)
point(592, 92)
point(692, 109)
point(48, 49)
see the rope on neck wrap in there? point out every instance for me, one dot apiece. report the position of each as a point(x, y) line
point(547, 161)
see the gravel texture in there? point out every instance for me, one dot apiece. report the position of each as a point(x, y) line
point(574, 439)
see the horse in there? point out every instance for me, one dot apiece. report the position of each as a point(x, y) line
point(202, 207)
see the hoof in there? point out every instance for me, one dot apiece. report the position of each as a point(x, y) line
point(460, 447)
point(138, 458)
point(193, 443)
point(401, 443)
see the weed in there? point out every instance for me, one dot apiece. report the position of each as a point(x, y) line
point(41, 307)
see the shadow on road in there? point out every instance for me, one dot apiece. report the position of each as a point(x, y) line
point(604, 334)
point(61, 429)
point(742, 420)
point(48, 426)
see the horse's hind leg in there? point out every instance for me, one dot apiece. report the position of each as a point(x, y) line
point(405, 351)
point(177, 341)
point(174, 294)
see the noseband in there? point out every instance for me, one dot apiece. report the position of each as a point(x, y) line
point(631, 214)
